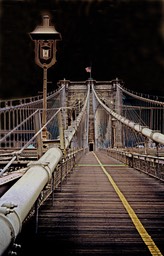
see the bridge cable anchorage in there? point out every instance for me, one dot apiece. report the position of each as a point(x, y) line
point(154, 250)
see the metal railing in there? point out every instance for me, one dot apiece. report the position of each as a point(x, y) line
point(151, 165)
point(62, 170)
point(44, 176)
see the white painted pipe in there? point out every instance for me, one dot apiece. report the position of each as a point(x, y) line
point(17, 202)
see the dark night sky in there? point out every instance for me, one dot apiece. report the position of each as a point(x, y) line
point(122, 38)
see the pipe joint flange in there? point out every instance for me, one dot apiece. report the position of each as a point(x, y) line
point(9, 205)
point(10, 226)
point(47, 169)
point(44, 165)
point(154, 132)
point(7, 208)
point(151, 135)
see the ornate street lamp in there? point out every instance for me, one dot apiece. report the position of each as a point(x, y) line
point(45, 38)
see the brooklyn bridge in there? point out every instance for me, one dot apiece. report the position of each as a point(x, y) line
point(88, 181)
point(81, 168)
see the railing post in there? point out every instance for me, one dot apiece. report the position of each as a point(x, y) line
point(36, 215)
point(61, 175)
point(53, 187)
point(146, 145)
point(157, 147)
point(37, 125)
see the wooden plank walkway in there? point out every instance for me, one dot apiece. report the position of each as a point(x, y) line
point(117, 213)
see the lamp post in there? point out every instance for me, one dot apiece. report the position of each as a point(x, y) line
point(45, 38)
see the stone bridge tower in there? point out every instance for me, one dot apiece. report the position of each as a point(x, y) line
point(103, 130)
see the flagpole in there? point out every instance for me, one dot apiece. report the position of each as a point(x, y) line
point(91, 70)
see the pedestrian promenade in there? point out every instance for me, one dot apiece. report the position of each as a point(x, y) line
point(104, 208)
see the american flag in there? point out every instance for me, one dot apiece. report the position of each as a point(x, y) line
point(88, 69)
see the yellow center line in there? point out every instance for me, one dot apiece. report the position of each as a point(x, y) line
point(118, 165)
point(140, 228)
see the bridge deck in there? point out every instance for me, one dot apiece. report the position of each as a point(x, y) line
point(91, 215)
